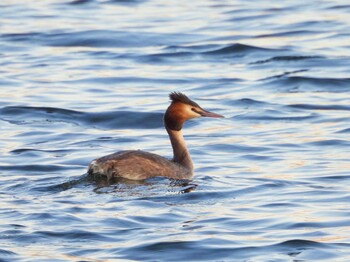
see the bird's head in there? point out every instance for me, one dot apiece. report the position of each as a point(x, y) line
point(181, 109)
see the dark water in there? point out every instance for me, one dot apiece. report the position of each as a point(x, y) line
point(81, 79)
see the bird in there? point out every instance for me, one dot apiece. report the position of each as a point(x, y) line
point(141, 165)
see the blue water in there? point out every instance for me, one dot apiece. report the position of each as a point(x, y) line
point(84, 78)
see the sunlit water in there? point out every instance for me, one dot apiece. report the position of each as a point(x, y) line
point(85, 78)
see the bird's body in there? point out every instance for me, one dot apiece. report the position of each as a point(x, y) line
point(140, 165)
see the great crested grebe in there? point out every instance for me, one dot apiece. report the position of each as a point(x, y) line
point(140, 165)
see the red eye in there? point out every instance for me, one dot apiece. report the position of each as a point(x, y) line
point(196, 110)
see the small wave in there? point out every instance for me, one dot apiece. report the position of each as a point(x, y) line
point(73, 234)
point(342, 82)
point(266, 116)
point(335, 178)
point(239, 148)
point(237, 49)
point(26, 150)
point(300, 243)
point(36, 168)
point(190, 48)
point(122, 2)
point(5, 254)
point(22, 110)
point(262, 158)
point(126, 2)
point(57, 188)
point(331, 143)
point(321, 107)
point(201, 52)
point(247, 102)
point(284, 74)
point(80, 2)
point(165, 57)
point(295, 84)
point(288, 33)
point(143, 80)
point(346, 130)
point(7, 83)
point(240, 19)
point(99, 38)
point(124, 119)
point(286, 59)
point(340, 7)
point(19, 37)
point(109, 120)
point(214, 248)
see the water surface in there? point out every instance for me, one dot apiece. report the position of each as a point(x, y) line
point(83, 78)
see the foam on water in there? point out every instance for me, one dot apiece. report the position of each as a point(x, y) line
point(84, 78)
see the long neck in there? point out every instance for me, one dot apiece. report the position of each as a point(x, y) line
point(181, 154)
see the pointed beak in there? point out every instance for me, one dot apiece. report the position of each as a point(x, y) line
point(210, 114)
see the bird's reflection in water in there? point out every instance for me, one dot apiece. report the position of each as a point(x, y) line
point(152, 186)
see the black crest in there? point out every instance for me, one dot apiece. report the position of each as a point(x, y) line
point(179, 97)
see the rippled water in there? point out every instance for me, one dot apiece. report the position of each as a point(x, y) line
point(83, 78)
